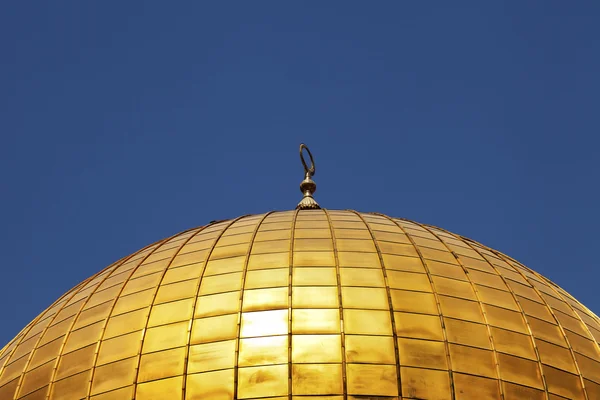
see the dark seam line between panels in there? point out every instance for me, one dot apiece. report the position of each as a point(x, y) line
point(290, 299)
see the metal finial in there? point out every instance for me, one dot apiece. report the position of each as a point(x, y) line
point(307, 186)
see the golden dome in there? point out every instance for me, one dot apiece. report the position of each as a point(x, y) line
point(309, 303)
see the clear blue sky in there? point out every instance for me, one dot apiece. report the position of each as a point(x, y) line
point(125, 122)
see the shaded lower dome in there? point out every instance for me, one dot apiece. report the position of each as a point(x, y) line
point(309, 303)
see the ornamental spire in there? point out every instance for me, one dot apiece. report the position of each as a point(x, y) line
point(307, 186)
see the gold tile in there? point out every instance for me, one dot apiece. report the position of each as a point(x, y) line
point(364, 277)
point(217, 385)
point(408, 281)
point(315, 297)
point(305, 321)
point(366, 298)
point(367, 322)
point(316, 349)
point(317, 379)
point(370, 349)
point(314, 277)
point(264, 381)
point(264, 323)
point(475, 387)
point(162, 364)
point(422, 353)
point(212, 329)
point(170, 388)
point(472, 360)
point(211, 356)
point(217, 304)
point(167, 313)
point(265, 299)
point(419, 302)
point(418, 326)
point(265, 278)
point(113, 376)
point(425, 383)
point(373, 380)
point(467, 333)
point(166, 336)
point(263, 351)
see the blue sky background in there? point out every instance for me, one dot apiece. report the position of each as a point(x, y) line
point(125, 122)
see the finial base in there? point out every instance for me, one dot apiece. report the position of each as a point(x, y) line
point(308, 203)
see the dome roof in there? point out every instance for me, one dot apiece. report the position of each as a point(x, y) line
point(310, 302)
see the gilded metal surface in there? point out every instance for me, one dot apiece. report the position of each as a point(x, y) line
point(308, 187)
point(311, 303)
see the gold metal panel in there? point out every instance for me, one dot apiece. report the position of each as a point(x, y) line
point(278, 234)
point(220, 283)
point(84, 336)
point(467, 333)
point(428, 384)
point(75, 362)
point(264, 323)
point(408, 281)
point(268, 261)
point(497, 297)
point(315, 321)
point(271, 246)
point(231, 252)
point(475, 387)
point(217, 385)
point(264, 381)
point(563, 383)
point(317, 379)
point(94, 314)
point(161, 389)
point(484, 278)
point(546, 331)
point(361, 277)
point(453, 287)
point(370, 349)
point(583, 345)
point(265, 278)
point(399, 249)
point(315, 277)
point(589, 368)
point(462, 309)
point(212, 329)
point(161, 364)
point(165, 337)
point(350, 233)
point(419, 302)
point(211, 356)
point(472, 360)
point(446, 270)
point(313, 244)
point(118, 348)
point(519, 370)
point(513, 391)
point(266, 350)
point(36, 378)
point(502, 318)
point(367, 322)
point(45, 353)
point(317, 348)
point(315, 297)
point(265, 299)
point(402, 263)
point(217, 304)
point(355, 245)
point(373, 380)
point(556, 356)
point(113, 376)
point(314, 259)
point(418, 326)
point(355, 259)
point(422, 353)
point(366, 298)
point(225, 265)
point(73, 387)
point(174, 311)
point(177, 291)
point(438, 255)
point(141, 283)
point(133, 302)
